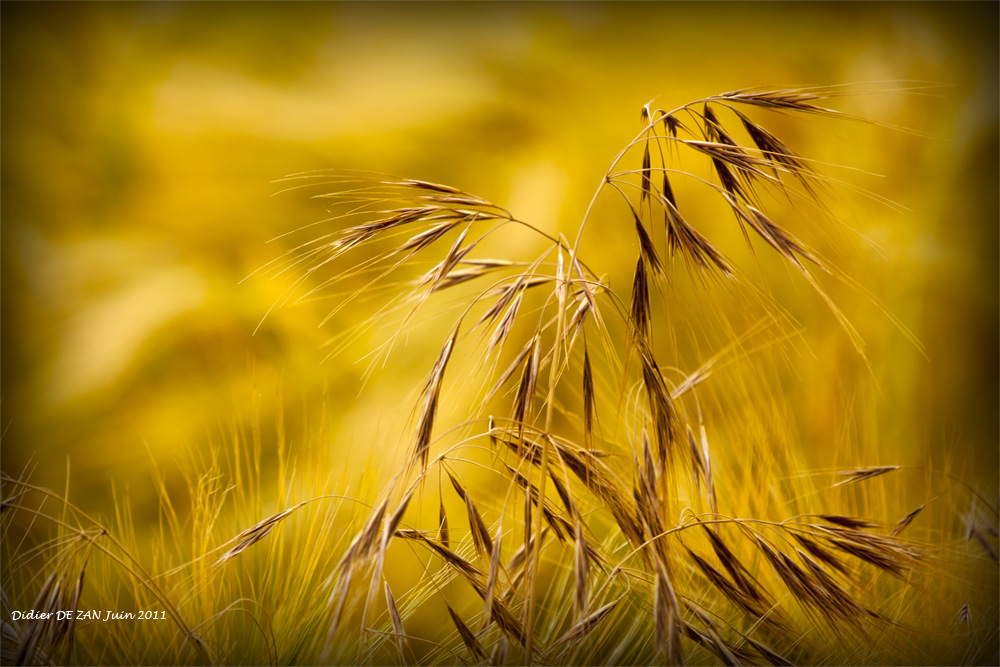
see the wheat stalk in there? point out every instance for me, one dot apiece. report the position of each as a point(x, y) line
point(419, 214)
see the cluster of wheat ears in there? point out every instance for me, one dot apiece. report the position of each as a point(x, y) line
point(601, 532)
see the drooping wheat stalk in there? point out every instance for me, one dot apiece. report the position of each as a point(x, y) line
point(402, 219)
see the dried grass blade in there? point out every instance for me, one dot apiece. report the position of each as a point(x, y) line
point(776, 151)
point(443, 533)
point(789, 573)
point(672, 124)
point(965, 615)
point(507, 621)
point(451, 259)
point(431, 394)
point(514, 365)
point(668, 191)
point(469, 201)
point(666, 615)
point(433, 187)
point(695, 248)
point(712, 640)
point(820, 553)
point(646, 500)
point(661, 406)
point(770, 655)
point(847, 522)
point(580, 567)
point(714, 129)
point(779, 239)
point(840, 604)
point(698, 469)
point(477, 527)
point(647, 184)
point(753, 605)
point(647, 251)
point(480, 534)
point(420, 241)
point(729, 182)
point(506, 323)
point(246, 543)
point(505, 294)
point(785, 100)
point(563, 492)
point(464, 567)
point(393, 523)
point(367, 539)
point(491, 578)
point(397, 623)
point(586, 625)
point(467, 636)
point(760, 603)
point(883, 552)
point(640, 303)
point(459, 489)
point(559, 526)
point(519, 559)
point(459, 276)
point(524, 400)
point(588, 399)
point(860, 474)
point(905, 521)
point(254, 534)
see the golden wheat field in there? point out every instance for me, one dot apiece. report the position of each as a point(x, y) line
point(500, 334)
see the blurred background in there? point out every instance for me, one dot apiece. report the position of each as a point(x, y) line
point(141, 142)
